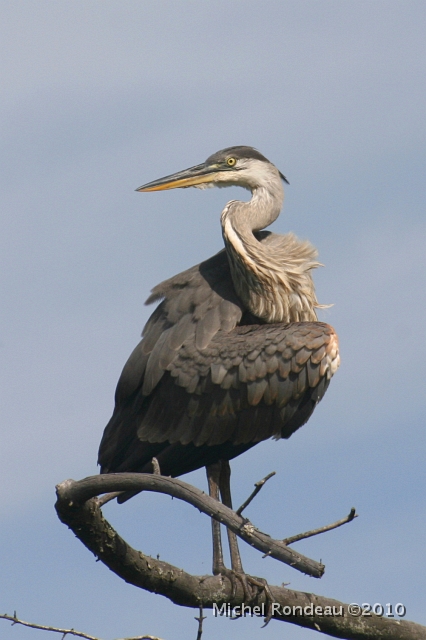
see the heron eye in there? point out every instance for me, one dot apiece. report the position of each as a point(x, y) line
point(231, 162)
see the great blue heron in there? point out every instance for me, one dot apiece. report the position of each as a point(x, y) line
point(233, 354)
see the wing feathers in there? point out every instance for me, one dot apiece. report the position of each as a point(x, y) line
point(237, 403)
point(199, 380)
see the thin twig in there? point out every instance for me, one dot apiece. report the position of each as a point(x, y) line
point(200, 623)
point(258, 486)
point(156, 467)
point(329, 527)
point(15, 620)
point(108, 497)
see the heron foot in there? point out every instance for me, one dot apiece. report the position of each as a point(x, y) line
point(238, 577)
point(252, 588)
point(262, 585)
point(258, 586)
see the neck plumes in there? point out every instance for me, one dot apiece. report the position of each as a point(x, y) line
point(271, 273)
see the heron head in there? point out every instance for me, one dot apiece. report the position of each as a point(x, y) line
point(233, 166)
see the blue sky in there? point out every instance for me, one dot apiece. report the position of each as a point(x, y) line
point(100, 97)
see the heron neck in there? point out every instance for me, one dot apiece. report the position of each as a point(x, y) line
point(269, 285)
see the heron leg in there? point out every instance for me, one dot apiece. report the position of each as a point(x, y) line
point(225, 492)
point(252, 586)
point(213, 479)
point(218, 477)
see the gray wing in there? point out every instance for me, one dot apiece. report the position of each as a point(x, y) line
point(196, 305)
point(199, 387)
point(256, 382)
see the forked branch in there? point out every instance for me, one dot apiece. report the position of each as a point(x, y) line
point(92, 486)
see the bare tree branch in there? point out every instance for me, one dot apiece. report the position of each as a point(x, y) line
point(107, 497)
point(84, 517)
point(65, 632)
point(258, 486)
point(314, 532)
point(200, 620)
point(114, 482)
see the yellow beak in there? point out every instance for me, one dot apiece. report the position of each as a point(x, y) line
point(200, 174)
